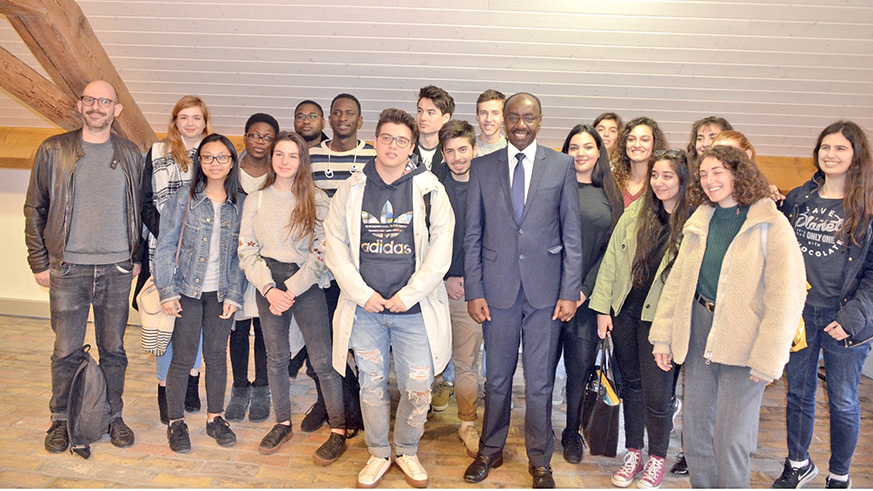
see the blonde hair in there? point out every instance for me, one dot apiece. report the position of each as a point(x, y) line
point(175, 146)
point(739, 138)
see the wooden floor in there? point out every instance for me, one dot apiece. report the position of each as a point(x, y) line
point(24, 417)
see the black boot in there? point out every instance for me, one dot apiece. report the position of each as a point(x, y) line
point(162, 404)
point(260, 406)
point(192, 396)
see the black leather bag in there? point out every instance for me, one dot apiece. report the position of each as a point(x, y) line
point(600, 406)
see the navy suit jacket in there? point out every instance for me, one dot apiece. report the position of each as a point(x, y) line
point(543, 252)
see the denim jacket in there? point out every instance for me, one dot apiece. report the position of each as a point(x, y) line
point(173, 281)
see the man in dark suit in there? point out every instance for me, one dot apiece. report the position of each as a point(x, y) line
point(523, 277)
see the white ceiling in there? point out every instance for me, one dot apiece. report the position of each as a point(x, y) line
point(779, 70)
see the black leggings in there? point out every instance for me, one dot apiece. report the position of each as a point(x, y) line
point(239, 354)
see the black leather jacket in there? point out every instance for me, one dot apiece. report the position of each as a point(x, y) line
point(856, 304)
point(48, 206)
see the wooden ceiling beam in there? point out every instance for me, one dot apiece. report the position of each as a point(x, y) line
point(63, 41)
point(36, 91)
point(22, 7)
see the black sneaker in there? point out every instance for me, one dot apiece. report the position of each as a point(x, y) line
point(275, 439)
point(796, 477)
point(120, 434)
point(316, 417)
point(835, 484)
point(219, 429)
point(574, 449)
point(177, 435)
point(56, 439)
point(680, 468)
point(331, 450)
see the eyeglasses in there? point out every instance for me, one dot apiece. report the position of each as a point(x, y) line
point(527, 118)
point(103, 102)
point(223, 159)
point(254, 137)
point(402, 141)
point(310, 116)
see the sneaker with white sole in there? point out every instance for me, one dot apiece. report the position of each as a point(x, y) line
point(653, 473)
point(412, 469)
point(633, 467)
point(470, 438)
point(796, 477)
point(440, 399)
point(372, 473)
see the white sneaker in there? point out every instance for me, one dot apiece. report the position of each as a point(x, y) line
point(372, 473)
point(470, 437)
point(415, 474)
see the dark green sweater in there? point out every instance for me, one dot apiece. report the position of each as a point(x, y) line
point(723, 227)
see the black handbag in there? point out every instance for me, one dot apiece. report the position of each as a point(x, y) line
point(600, 406)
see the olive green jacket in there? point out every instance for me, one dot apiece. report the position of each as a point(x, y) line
point(614, 278)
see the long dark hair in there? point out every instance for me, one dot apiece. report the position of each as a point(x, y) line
point(231, 181)
point(601, 175)
point(700, 123)
point(858, 193)
point(304, 217)
point(623, 164)
point(650, 229)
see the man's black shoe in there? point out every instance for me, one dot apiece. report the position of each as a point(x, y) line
point(315, 418)
point(574, 449)
point(120, 434)
point(56, 438)
point(478, 470)
point(219, 429)
point(177, 435)
point(680, 468)
point(542, 476)
point(331, 450)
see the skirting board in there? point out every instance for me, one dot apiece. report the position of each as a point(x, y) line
point(41, 310)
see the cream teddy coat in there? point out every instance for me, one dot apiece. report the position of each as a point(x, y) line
point(761, 293)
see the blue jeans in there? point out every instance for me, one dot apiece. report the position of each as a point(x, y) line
point(374, 337)
point(74, 289)
point(162, 363)
point(449, 373)
point(843, 366)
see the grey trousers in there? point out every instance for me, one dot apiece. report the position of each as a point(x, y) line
point(722, 407)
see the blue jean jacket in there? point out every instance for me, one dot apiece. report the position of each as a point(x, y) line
point(187, 278)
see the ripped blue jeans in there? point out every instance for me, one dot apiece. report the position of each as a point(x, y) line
point(374, 338)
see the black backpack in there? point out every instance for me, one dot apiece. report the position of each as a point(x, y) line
point(88, 409)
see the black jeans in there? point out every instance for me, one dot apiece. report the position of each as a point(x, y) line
point(646, 390)
point(186, 338)
point(579, 343)
point(239, 354)
point(74, 289)
point(310, 311)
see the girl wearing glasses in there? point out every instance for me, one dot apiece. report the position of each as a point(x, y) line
point(728, 312)
point(168, 168)
point(260, 131)
point(282, 254)
point(200, 282)
point(600, 206)
point(638, 140)
point(831, 216)
point(638, 259)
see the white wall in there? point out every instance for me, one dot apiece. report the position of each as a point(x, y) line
point(16, 280)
